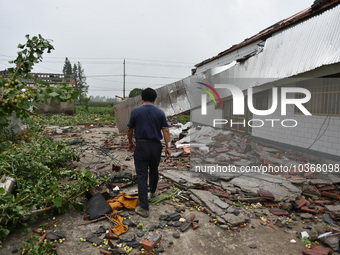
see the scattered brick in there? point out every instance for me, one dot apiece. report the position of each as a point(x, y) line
point(194, 225)
point(162, 185)
point(270, 204)
point(263, 156)
point(327, 188)
point(317, 250)
point(279, 212)
point(301, 202)
point(317, 210)
point(266, 194)
point(308, 174)
point(334, 216)
point(220, 150)
point(150, 242)
point(323, 202)
point(313, 187)
point(268, 162)
point(330, 194)
point(277, 155)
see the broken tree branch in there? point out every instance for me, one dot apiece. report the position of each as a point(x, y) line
point(53, 206)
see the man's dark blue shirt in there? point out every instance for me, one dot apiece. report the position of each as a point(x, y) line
point(148, 121)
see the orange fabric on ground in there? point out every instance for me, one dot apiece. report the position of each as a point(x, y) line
point(119, 228)
point(119, 202)
point(123, 200)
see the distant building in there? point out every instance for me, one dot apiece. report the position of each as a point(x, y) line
point(51, 78)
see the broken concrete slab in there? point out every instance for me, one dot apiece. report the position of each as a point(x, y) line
point(335, 178)
point(331, 241)
point(176, 176)
point(321, 181)
point(207, 199)
point(221, 204)
point(228, 187)
point(176, 154)
point(333, 208)
point(306, 216)
point(281, 190)
point(298, 181)
point(234, 220)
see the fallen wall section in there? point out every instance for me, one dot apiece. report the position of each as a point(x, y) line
point(173, 99)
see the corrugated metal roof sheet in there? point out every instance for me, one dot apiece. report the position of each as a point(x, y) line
point(300, 48)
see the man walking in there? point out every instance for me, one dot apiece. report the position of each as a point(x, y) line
point(147, 122)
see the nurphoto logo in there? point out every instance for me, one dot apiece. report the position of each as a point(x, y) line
point(238, 104)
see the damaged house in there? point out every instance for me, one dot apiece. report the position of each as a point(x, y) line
point(302, 51)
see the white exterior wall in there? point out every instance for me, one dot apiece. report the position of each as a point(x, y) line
point(304, 134)
point(208, 119)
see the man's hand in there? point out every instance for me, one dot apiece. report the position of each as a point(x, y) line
point(131, 143)
point(167, 153)
point(132, 147)
point(166, 135)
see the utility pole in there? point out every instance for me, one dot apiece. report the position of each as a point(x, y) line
point(124, 80)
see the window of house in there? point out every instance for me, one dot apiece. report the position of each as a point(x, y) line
point(325, 97)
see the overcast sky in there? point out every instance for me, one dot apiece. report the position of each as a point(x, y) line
point(161, 40)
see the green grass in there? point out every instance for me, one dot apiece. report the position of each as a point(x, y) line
point(84, 115)
point(183, 118)
point(94, 113)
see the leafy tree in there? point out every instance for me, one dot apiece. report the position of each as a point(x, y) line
point(21, 98)
point(80, 82)
point(67, 69)
point(81, 86)
point(135, 92)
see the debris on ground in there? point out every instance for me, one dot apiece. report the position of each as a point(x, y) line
point(302, 204)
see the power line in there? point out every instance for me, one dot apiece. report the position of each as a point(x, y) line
point(127, 82)
point(145, 76)
point(103, 75)
point(131, 75)
point(162, 61)
point(120, 59)
point(117, 61)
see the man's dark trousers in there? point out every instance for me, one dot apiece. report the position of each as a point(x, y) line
point(147, 155)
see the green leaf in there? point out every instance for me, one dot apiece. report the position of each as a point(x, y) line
point(58, 202)
point(2, 191)
point(54, 94)
point(54, 187)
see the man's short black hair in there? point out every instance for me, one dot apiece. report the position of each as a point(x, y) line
point(149, 95)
